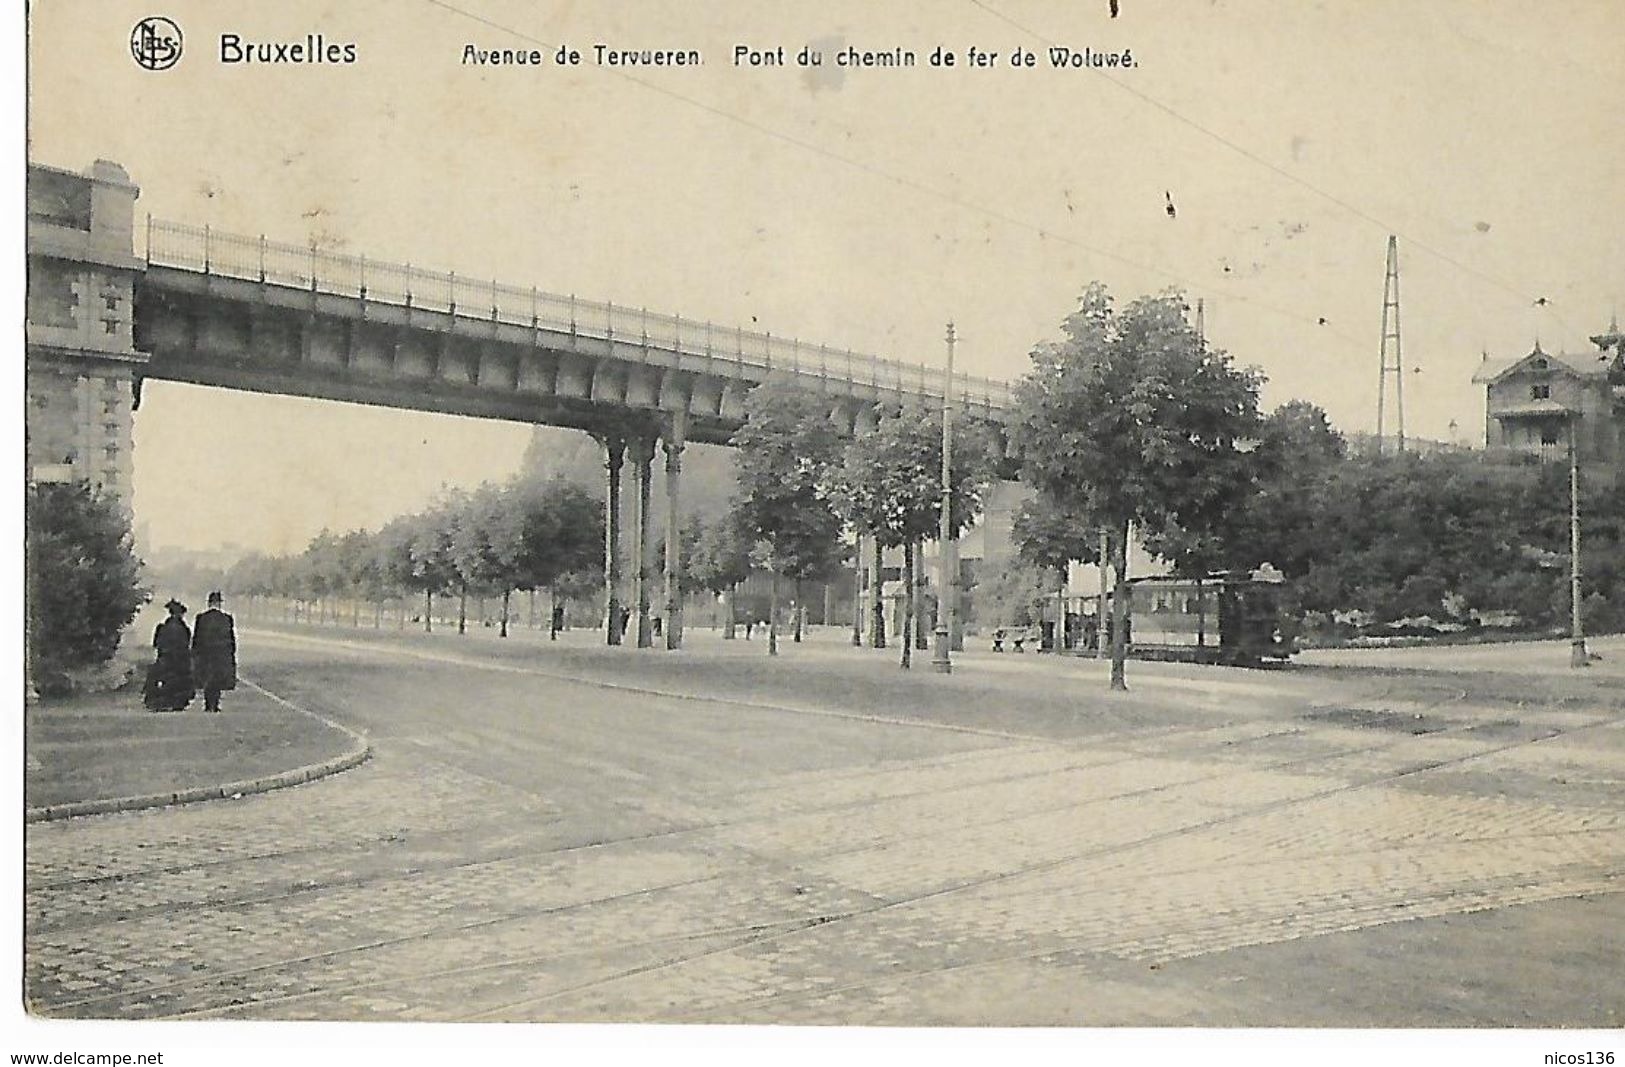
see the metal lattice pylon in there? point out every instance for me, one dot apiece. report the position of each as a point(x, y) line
point(1391, 361)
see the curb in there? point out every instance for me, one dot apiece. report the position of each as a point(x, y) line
point(359, 752)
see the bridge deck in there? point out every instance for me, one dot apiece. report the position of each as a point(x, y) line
point(256, 259)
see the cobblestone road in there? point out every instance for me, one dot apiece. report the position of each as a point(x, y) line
point(525, 848)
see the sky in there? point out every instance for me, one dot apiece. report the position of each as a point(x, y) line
point(865, 208)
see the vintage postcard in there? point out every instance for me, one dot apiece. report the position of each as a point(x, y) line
point(1102, 515)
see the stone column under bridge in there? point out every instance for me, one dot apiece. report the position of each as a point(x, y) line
point(643, 452)
point(673, 444)
point(614, 459)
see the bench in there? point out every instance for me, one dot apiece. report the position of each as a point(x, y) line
point(1017, 638)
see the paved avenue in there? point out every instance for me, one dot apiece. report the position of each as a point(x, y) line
point(525, 848)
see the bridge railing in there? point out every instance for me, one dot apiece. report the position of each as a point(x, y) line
point(202, 248)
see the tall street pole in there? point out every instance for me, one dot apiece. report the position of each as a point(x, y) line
point(857, 592)
point(1100, 604)
point(947, 550)
point(1578, 657)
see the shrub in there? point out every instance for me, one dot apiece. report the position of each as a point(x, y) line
point(83, 581)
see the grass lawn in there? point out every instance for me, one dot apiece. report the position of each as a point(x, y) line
point(105, 745)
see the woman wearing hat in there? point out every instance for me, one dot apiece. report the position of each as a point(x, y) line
point(169, 680)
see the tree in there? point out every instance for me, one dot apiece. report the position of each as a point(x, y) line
point(1449, 536)
point(888, 483)
point(321, 572)
point(1014, 594)
point(819, 553)
point(1049, 538)
point(572, 586)
point(560, 538)
point(370, 579)
point(487, 544)
point(785, 449)
point(688, 536)
point(393, 548)
point(280, 580)
point(84, 580)
point(355, 570)
point(1297, 449)
point(720, 560)
point(1131, 418)
point(253, 576)
point(429, 550)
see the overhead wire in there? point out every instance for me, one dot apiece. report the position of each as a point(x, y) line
point(1042, 231)
point(1281, 172)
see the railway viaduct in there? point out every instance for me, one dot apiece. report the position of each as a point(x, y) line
point(236, 312)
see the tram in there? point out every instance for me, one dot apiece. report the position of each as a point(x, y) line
point(1234, 617)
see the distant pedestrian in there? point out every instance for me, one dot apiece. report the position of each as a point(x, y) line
point(169, 679)
point(214, 653)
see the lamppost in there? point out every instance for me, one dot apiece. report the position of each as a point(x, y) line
point(1578, 657)
point(947, 550)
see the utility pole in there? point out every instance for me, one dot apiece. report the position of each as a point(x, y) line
point(1100, 604)
point(1391, 365)
point(947, 550)
point(1578, 657)
point(857, 592)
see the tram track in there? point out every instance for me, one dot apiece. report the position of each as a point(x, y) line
point(749, 931)
point(1102, 740)
point(1028, 871)
point(1079, 956)
point(379, 943)
point(878, 909)
point(796, 927)
point(523, 854)
point(669, 834)
point(757, 932)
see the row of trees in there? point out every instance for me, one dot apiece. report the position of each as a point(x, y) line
point(526, 535)
point(807, 494)
point(529, 535)
point(803, 494)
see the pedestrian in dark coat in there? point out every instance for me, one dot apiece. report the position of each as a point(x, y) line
point(169, 679)
point(214, 653)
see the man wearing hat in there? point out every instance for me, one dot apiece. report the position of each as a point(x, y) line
point(169, 680)
point(214, 653)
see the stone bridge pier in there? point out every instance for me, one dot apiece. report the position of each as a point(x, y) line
point(82, 366)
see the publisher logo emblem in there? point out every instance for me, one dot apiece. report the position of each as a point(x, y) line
point(156, 43)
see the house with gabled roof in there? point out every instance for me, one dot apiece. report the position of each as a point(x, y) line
point(1533, 401)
